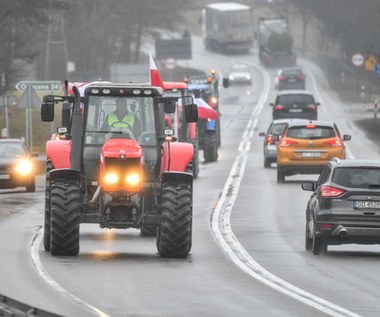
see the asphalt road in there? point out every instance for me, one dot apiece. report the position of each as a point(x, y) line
point(248, 256)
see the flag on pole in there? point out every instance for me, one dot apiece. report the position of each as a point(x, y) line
point(155, 77)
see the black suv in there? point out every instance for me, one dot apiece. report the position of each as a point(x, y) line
point(291, 78)
point(344, 206)
point(295, 104)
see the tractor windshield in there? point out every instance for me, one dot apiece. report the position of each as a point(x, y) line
point(128, 116)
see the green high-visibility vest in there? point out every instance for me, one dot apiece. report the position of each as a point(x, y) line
point(126, 122)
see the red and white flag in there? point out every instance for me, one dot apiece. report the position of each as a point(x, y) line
point(155, 77)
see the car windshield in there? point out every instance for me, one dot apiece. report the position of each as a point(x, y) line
point(315, 132)
point(277, 128)
point(11, 149)
point(356, 177)
point(292, 99)
point(292, 72)
point(239, 68)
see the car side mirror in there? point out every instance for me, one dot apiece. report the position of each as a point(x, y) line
point(309, 186)
point(226, 82)
point(271, 104)
point(346, 137)
point(262, 134)
point(317, 103)
point(191, 112)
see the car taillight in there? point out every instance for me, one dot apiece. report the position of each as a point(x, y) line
point(312, 107)
point(334, 142)
point(301, 77)
point(329, 191)
point(281, 77)
point(269, 139)
point(287, 142)
point(278, 107)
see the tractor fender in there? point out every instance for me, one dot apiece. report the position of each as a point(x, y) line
point(192, 130)
point(175, 177)
point(58, 153)
point(65, 173)
point(181, 154)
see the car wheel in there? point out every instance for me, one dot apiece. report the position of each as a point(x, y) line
point(319, 245)
point(280, 176)
point(308, 236)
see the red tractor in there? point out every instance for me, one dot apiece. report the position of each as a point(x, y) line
point(186, 131)
point(131, 174)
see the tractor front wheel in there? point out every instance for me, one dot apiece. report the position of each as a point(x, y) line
point(210, 148)
point(175, 229)
point(65, 217)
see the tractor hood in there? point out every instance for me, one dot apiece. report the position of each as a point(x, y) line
point(118, 147)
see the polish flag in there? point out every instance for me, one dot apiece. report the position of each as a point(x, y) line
point(155, 78)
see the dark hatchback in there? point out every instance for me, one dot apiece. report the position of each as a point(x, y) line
point(298, 104)
point(291, 78)
point(344, 206)
point(17, 167)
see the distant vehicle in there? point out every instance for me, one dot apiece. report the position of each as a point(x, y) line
point(240, 74)
point(17, 168)
point(271, 139)
point(291, 78)
point(307, 146)
point(227, 27)
point(344, 206)
point(275, 42)
point(295, 104)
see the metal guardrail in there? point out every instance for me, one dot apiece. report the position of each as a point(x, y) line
point(12, 308)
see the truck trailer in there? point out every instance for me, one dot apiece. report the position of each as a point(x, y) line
point(227, 27)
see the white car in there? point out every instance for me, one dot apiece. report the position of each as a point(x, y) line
point(240, 73)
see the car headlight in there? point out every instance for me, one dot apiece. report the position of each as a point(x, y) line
point(249, 77)
point(231, 77)
point(24, 167)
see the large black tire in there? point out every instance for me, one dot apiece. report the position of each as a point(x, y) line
point(210, 148)
point(195, 161)
point(218, 134)
point(65, 217)
point(31, 187)
point(267, 162)
point(46, 238)
point(175, 230)
point(148, 230)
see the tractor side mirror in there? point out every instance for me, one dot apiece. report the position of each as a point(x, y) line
point(191, 112)
point(47, 111)
point(226, 82)
point(66, 114)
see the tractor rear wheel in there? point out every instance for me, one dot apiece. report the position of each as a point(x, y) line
point(175, 230)
point(65, 217)
point(210, 149)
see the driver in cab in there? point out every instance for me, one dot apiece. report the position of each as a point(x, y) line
point(121, 119)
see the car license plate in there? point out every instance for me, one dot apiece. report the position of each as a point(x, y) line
point(295, 110)
point(310, 154)
point(5, 176)
point(365, 204)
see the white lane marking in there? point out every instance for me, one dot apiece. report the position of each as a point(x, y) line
point(36, 260)
point(319, 97)
point(221, 226)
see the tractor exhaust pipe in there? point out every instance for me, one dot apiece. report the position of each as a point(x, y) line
point(95, 198)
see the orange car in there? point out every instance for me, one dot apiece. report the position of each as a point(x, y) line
point(306, 147)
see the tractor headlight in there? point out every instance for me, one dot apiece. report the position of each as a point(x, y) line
point(111, 178)
point(133, 181)
point(24, 167)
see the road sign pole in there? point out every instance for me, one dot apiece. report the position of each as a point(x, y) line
point(30, 118)
point(6, 115)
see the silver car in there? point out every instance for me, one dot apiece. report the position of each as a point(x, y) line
point(272, 137)
point(240, 73)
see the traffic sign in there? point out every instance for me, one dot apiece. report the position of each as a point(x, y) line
point(39, 85)
point(357, 59)
point(29, 99)
point(170, 63)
